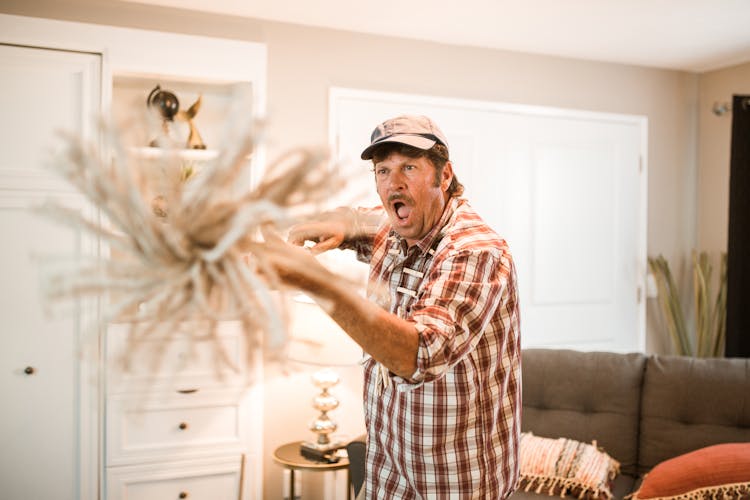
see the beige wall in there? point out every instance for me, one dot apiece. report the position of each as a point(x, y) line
point(304, 62)
point(715, 134)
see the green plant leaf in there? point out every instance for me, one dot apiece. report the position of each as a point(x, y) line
point(709, 316)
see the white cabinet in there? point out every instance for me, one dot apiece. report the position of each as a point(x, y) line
point(206, 479)
point(75, 426)
point(182, 364)
point(178, 423)
point(47, 432)
point(170, 426)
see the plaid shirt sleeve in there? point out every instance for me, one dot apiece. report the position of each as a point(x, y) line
point(365, 223)
point(461, 298)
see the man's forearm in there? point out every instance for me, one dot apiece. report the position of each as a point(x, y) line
point(361, 224)
point(392, 341)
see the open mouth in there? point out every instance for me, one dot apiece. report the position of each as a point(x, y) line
point(402, 210)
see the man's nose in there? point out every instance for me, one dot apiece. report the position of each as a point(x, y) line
point(397, 178)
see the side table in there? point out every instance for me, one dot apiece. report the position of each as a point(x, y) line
point(289, 456)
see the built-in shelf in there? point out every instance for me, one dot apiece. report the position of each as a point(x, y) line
point(152, 153)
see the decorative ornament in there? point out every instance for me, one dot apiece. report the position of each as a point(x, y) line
point(166, 105)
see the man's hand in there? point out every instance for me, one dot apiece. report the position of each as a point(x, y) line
point(343, 225)
point(295, 267)
point(326, 235)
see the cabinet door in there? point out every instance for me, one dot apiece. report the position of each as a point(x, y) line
point(48, 425)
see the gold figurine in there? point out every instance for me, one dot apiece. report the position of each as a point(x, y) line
point(194, 139)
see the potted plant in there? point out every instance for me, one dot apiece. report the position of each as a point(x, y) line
point(709, 311)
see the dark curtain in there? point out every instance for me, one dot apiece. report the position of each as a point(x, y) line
point(738, 246)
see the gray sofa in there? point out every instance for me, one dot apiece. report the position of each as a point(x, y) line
point(640, 409)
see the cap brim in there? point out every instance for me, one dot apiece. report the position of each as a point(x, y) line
point(411, 140)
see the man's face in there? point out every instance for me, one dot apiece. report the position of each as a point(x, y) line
point(413, 198)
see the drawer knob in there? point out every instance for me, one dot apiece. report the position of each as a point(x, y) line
point(183, 494)
point(183, 426)
point(29, 370)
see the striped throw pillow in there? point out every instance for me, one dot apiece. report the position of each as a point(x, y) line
point(566, 467)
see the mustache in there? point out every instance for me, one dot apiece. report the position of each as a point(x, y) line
point(400, 197)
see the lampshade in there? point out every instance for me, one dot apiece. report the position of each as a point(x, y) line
point(315, 339)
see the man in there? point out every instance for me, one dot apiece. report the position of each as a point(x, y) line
point(440, 328)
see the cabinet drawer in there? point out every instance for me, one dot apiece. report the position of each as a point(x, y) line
point(185, 359)
point(213, 479)
point(165, 427)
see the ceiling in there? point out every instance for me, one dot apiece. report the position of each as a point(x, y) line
point(690, 35)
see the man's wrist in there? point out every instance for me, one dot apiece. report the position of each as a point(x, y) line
point(350, 220)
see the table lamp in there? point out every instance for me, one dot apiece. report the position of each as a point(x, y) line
point(317, 340)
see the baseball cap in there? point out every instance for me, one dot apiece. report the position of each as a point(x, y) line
point(418, 131)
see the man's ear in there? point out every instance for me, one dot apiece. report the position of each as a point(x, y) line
point(447, 176)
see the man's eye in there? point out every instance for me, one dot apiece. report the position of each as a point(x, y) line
point(381, 171)
point(410, 167)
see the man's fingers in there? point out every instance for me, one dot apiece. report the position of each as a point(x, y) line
point(327, 243)
point(301, 233)
point(325, 235)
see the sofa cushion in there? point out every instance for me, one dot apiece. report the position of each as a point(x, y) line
point(586, 396)
point(566, 467)
point(690, 403)
point(719, 471)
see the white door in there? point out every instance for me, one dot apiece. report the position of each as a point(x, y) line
point(566, 190)
point(48, 430)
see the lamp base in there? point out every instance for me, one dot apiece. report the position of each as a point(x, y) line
point(321, 453)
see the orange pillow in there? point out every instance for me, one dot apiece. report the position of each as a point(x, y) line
point(722, 470)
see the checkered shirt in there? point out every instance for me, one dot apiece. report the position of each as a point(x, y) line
point(452, 430)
